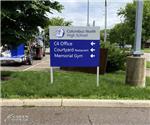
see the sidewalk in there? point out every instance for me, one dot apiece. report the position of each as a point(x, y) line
point(75, 103)
point(147, 56)
point(148, 72)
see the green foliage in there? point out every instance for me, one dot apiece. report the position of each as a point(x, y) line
point(116, 57)
point(20, 19)
point(146, 50)
point(56, 21)
point(102, 34)
point(124, 33)
point(120, 34)
point(148, 64)
point(71, 85)
point(6, 73)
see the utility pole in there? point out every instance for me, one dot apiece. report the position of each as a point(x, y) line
point(93, 22)
point(138, 28)
point(88, 13)
point(105, 34)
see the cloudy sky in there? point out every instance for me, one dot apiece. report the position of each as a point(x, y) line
point(76, 11)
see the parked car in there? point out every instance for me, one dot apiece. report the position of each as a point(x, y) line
point(20, 54)
point(38, 48)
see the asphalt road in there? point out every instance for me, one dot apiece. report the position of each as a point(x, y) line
point(37, 65)
point(74, 116)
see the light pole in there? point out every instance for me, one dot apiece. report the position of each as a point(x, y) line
point(105, 34)
point(93, 22)
point(88, 13)
point(138, 28)
point(136, 64)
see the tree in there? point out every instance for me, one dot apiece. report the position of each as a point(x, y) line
point(120, 34)
point(56, 21)
point(125, 32)
point(20, 19)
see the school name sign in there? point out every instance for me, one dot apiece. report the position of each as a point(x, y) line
point(74, 46)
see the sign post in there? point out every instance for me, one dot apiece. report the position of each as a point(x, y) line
point(74, 47)
point(52, 75)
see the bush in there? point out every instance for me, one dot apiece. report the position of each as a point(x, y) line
point(116, 57)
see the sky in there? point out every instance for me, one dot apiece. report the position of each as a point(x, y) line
point(76, 11)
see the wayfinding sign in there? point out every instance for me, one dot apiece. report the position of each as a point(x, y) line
point(74, 46)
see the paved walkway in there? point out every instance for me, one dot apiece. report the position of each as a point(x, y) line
point(147, 56)
point(148, 72)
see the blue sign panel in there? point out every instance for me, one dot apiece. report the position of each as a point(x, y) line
point(74, 52)
point(79, 53)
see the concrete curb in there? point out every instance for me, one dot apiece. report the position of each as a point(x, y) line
point(106, 103)
point(31, 102)
point(75, 103)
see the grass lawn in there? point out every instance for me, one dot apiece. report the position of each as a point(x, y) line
point(146, 50)
point(70, 85)
point(147, 64)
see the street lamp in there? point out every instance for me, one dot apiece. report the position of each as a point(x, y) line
point(136, 64)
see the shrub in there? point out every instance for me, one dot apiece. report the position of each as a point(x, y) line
point(116, 57)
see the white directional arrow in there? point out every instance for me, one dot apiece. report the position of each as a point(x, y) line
point(92, 50)
point(92, 55)
point(92, 43)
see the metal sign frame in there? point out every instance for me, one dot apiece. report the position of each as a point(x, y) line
point(51, 67)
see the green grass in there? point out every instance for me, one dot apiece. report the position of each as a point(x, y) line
point(147, 64)
point(70, 85)
point(146, 50)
